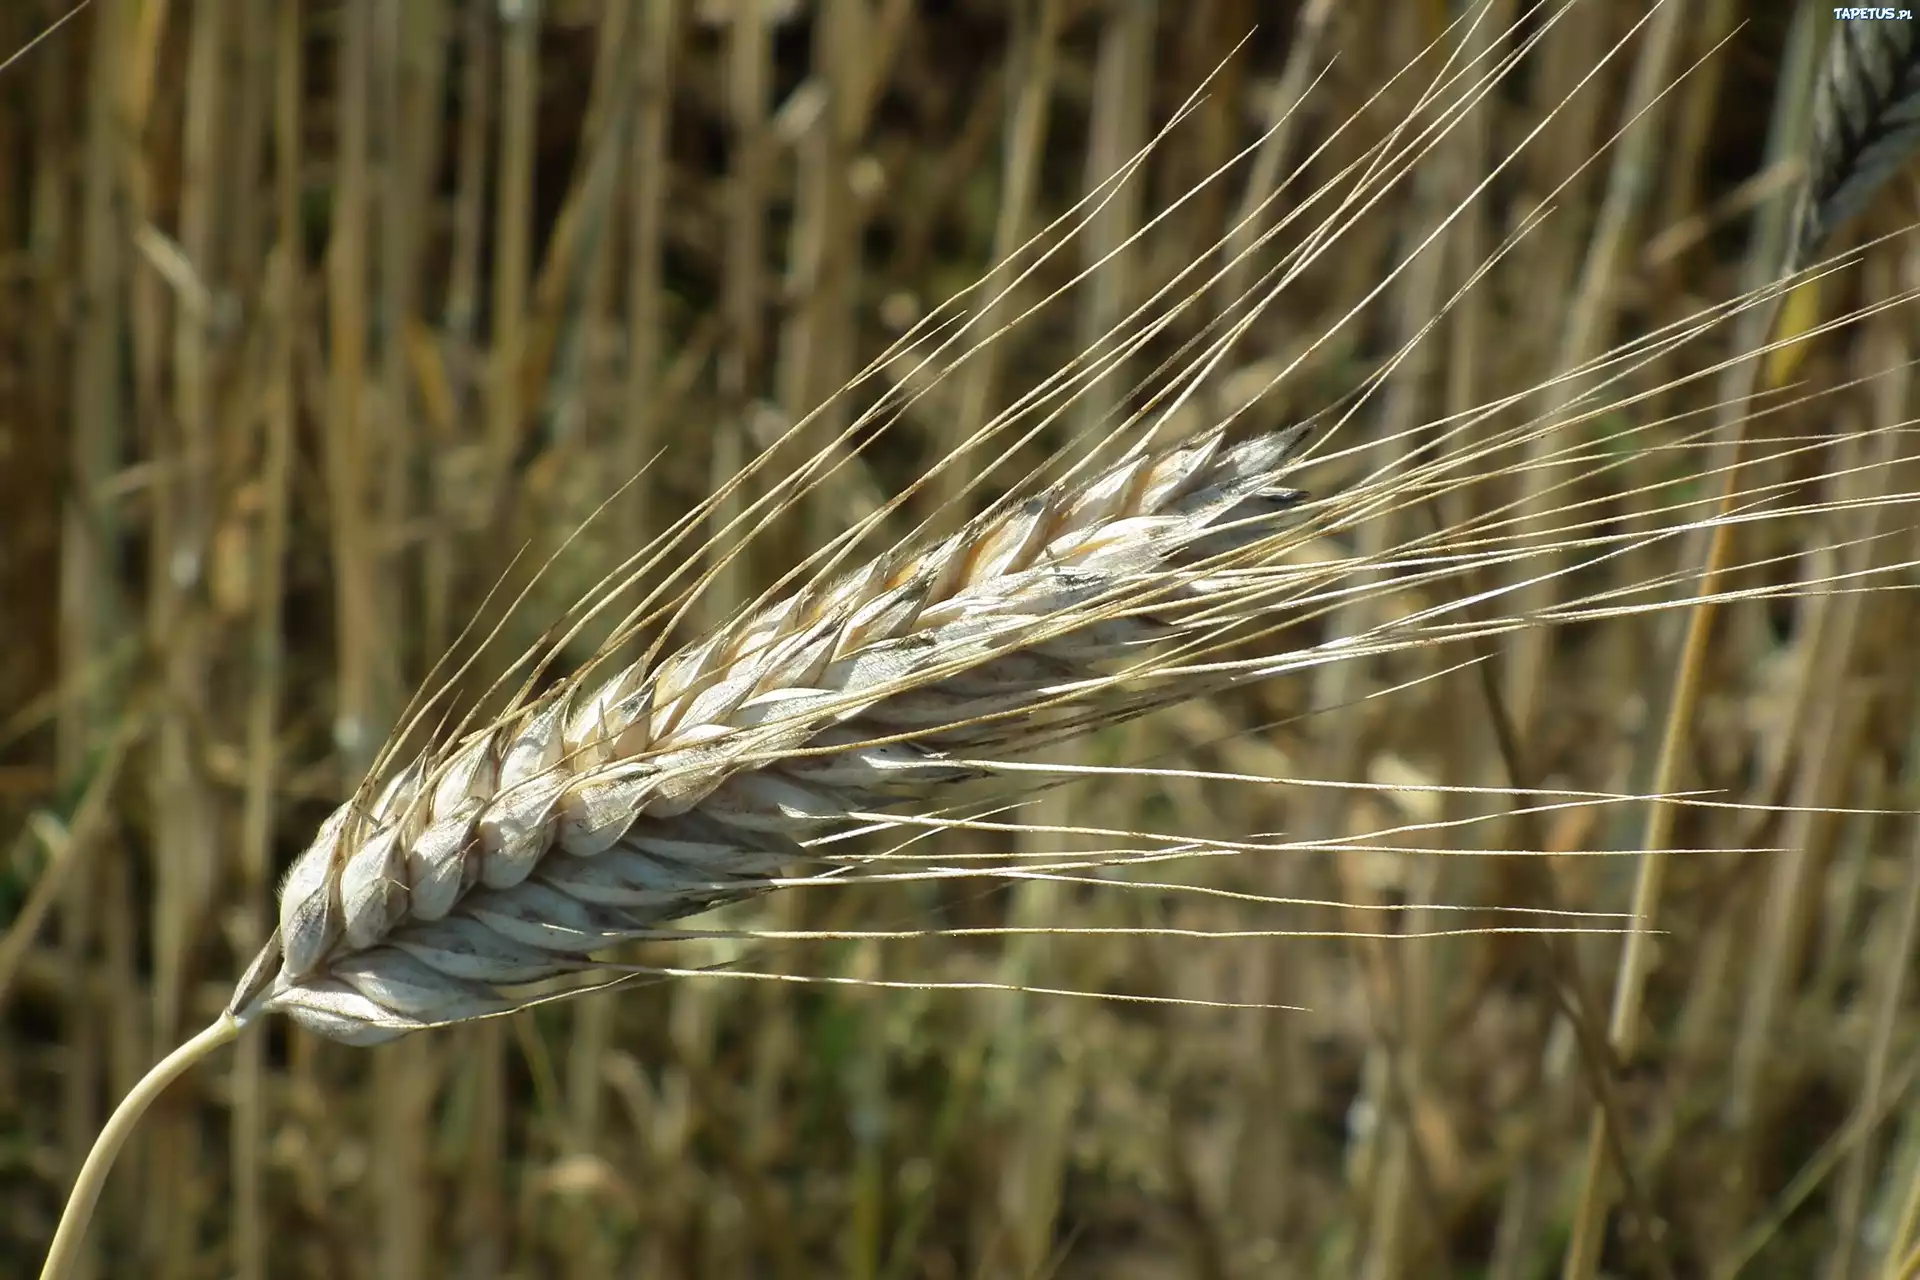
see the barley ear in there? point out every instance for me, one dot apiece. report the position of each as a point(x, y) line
point(64, 1255)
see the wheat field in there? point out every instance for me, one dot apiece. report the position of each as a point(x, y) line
point(1451, 892)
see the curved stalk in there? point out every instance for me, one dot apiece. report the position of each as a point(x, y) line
point(65, 1251)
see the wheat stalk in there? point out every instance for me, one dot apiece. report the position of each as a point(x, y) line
point(603, 809)
point(1864, 128)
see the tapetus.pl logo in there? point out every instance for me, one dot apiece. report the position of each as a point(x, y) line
point(1867, 14)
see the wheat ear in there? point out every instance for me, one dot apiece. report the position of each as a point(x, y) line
point(603, 810)
point(600, 811)
point(1866, 125)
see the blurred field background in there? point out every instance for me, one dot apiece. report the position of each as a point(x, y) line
point(314, 314)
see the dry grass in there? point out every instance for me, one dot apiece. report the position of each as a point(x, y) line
point(316, 316)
